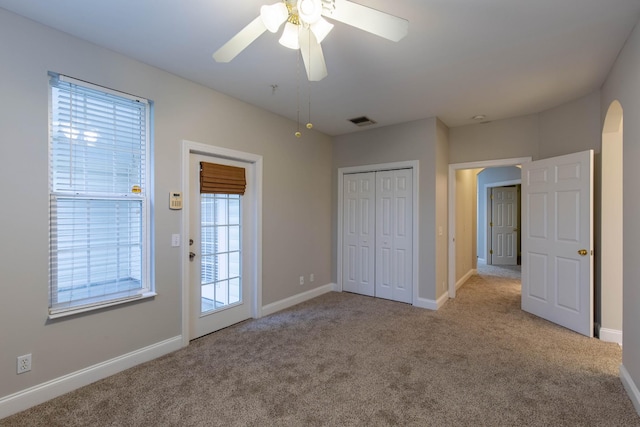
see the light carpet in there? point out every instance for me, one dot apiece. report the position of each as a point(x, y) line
point(348, 360)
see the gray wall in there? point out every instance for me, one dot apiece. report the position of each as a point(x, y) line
point(419, 140)
point(296, 213)
point(623, 84)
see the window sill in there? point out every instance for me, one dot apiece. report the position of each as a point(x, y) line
point(66, 312)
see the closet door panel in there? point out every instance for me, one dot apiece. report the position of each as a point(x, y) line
point(394, 225)
point(359, 233)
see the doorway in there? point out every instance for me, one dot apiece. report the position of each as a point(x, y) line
point(611, 232)
point(504, 225)
point(221, 244)
point(453, 168)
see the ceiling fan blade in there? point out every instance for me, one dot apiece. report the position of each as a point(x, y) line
point(371, 20)
point(312, 56)
point(240, 41)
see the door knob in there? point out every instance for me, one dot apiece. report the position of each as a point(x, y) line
point(582, 252)
point(191, 256)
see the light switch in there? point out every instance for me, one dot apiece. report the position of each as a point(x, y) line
point(175, 240)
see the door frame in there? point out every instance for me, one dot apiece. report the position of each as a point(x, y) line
point(412, 164)
point(453, 167)
point(253, 160)
point(487, 194)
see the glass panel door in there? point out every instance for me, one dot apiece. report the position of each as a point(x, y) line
point(220, 253)
point(222, 256)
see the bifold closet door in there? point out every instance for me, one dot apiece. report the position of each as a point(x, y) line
point(394, 235)
point(358, 262)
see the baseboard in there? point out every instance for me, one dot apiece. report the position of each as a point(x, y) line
point(464, 278)
point(610, 335)
point(430, 304)
point(40, 393)
point(274, 307)
point(630, 387)
point(482, 261)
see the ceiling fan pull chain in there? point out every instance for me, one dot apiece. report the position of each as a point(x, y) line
point(309, 124)
point(298, 134)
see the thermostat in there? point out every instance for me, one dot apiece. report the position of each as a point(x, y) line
point(175, 200)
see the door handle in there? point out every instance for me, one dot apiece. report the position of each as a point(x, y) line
point(582, 252)
point(191, 256)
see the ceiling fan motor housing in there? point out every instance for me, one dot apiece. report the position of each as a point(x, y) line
point(309, 11)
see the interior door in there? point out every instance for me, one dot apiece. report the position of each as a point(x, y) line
point(219, 268)
point(394, 234)
point(358, 233)
point(504, 226)
point(557, 240)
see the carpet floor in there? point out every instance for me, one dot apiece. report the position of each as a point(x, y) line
point(348, 360)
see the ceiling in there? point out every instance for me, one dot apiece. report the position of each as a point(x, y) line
point(461, 58)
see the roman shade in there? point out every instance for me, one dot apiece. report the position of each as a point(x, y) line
point(221, 179)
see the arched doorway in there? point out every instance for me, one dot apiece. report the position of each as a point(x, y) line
point(611, 226)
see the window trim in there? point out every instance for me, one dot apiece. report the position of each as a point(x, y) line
point(147, 277)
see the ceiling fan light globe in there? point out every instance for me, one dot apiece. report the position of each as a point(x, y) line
point(321, 28)
point(309, 11)
point(274, 15)
point(290, 37)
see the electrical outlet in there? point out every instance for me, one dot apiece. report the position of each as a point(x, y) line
point(24, 364)
point(311, 278)
point(301, 280)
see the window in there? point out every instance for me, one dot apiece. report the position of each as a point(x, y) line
point(99, 147)
point(221, 251)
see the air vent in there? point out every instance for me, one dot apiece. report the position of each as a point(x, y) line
point(362, 121)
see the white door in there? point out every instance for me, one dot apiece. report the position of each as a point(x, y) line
point(358, 233)
point(504, 226)
point(557, 241)
point(219, 268)
point(394, 234)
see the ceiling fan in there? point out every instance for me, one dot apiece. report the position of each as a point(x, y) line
point(306, 27)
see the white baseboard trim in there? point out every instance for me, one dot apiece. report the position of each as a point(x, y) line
point(40, 393)
point(610, 335)
point(482, 261)
point(430, 304)
point(274, 307)
point(630, 386)
point(464, 278)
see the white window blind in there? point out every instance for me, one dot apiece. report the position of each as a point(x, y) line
point(99, 156)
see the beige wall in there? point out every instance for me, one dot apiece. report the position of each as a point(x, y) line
point(419, 140)
point(296, 212)
point(622, 84)
point(612, 232)
point(442, 209)
point(466, 221)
